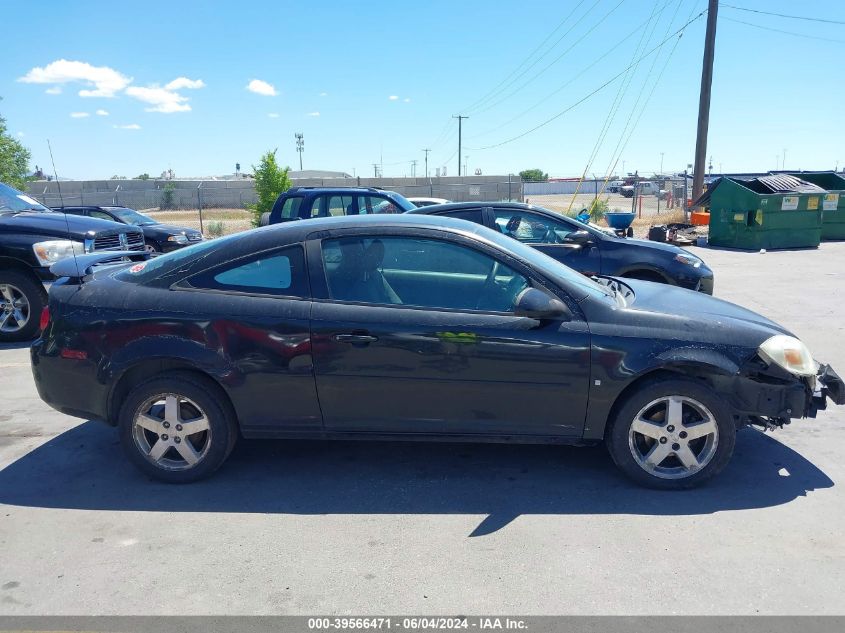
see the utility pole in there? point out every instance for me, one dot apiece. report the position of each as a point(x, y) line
point(426, 161)
point(375, 170)
point(661, 163)
point(704, 98)
point(413, 169)
point(783, 165)
point(466, 165)
point(459, 118)
point(300, 146)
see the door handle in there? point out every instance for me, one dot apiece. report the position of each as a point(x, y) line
point(355, 338)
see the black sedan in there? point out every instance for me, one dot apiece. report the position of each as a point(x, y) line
point(159, 238)
point(586, 248)
point(410, 327)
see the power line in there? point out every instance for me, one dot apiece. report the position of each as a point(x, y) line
point(519, 88)
point(516, 77)
point(769, 28)
point(530, 55)
point(590, 94)
point(571, 80)
point(783, 15)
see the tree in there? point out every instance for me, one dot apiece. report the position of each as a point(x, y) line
point(144, 176)
point(271, 181)
point(533, 175)
point(14, 159)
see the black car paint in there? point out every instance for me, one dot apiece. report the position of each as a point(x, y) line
point(154, 234)
point(431, 374)
point(605, 254)
point(19, 231)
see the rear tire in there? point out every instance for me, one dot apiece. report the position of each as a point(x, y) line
point(21, 301)
point(672, 434)
point(177, 427)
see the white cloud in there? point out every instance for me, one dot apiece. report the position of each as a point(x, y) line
point(55, 90)
point(106, 81)
point(79, 115)
point(261, 88)
point(393, 98)
point(407, 99)
point(273, 115)
point(131, 126)
point(324, 94)
point(102, 113)
point(21, 134)
point(183, 82)
point(313, 114)
point(161, 99)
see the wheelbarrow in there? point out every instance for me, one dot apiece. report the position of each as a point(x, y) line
point(620, 222)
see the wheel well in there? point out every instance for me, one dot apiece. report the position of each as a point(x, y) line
point(9, 263)
point(646, 275)
point(704, 374)
point(149, 368)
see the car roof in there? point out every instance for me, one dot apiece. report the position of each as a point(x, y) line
point(436, 209)
point(341, 189)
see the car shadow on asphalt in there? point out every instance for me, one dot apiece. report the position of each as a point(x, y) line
point(84, 468)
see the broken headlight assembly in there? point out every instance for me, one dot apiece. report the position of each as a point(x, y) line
point(790, 354)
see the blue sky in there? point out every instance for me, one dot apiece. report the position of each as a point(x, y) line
point(377, 81)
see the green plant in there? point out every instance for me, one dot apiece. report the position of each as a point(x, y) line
point(167, 195)
point(271, 181)
point(598, 209)
point(144, 176)
point(215, 229)
point(533, 175)
point(14, 159)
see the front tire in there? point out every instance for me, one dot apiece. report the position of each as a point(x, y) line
point(672, 434)
point(177, 427)
point(21, 303)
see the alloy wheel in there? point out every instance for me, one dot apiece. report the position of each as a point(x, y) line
point(14, 309)
point(673, 437)
point(171, 431)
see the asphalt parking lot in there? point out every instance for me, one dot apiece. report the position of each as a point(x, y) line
point(380, 528)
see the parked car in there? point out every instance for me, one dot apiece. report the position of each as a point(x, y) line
point(159, 238)
point(301, 203)
point(643, 188)
point(587, 248)
point(32, 238)
point(427, 202)
point(614, 185)
point(411, 327)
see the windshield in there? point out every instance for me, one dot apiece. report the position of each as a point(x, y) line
point(13, 201)
point(403, 202)
point(130, 216)
point(559, 273)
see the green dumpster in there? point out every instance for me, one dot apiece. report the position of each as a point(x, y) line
point(833, 204)
point(777, 211)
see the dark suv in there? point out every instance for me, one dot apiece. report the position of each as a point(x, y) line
point(302, 203)
point(586, 248)
point(33, 238)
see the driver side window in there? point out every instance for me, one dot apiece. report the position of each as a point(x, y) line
point(531, 228)
point(419, 272)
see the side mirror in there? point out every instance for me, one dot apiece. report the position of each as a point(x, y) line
point(581, 238)
point(536, 304)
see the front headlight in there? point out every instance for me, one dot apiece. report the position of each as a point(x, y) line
point(689, 260)
point(179, 239)
point(51, 251)
point(789, 353)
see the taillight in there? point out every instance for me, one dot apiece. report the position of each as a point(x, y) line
point(45, 318)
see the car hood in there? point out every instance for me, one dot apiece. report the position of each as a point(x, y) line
point(657, 246)
point(169, 229)
point(60, 225)
point(713, 317)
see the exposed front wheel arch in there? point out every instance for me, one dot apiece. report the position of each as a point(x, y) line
point(646, 275)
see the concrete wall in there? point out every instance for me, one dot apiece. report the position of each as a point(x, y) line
point(187, 194)
point(568, 186)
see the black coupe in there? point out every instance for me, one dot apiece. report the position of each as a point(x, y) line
point(410, 327)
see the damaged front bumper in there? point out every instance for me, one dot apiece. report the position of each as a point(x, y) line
point(769, 396)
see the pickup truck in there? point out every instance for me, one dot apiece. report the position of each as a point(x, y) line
point(644, 188)
point(32, 238)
